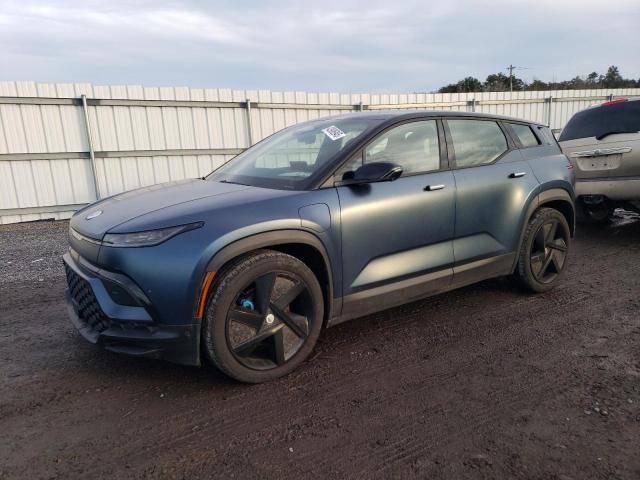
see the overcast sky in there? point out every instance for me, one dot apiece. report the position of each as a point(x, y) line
point(343, 46)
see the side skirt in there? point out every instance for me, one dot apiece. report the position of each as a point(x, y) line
point(405, 291)
point(483, 269)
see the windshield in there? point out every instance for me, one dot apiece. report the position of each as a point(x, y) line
point(291, 158)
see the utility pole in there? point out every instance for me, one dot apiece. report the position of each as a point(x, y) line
point(510, 68)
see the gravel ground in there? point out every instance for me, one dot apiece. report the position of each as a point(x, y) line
point(32, 251)
point(483, 382)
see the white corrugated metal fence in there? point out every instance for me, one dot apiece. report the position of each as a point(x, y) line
point(142, 136)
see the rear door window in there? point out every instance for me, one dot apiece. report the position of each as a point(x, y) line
point(525, 135)
point(476, 142)
point(623, 117)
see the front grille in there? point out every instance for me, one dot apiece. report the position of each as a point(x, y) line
point(88, 308)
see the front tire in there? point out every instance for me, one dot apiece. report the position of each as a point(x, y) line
point(544, 251)
point(263, 317)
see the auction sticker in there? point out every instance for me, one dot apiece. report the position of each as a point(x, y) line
point(334, 133)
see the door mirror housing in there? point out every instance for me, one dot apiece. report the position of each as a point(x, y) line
point(372, 173)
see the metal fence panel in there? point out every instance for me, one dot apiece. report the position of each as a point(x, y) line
point(146, 135)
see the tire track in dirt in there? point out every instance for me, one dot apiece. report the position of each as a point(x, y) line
point(400, 449)
point(415, 447)
point(225, 423)
point(433, 381)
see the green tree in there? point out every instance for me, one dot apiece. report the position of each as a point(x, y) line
point(499, 82)
point(496, 82)
point(468, 84)
point(613, 79)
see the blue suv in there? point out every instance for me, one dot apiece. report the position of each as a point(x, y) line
point(319, 223)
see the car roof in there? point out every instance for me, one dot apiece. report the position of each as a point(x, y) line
point(398, 115)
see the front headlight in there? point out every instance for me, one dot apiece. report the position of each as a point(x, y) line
point(148, 238)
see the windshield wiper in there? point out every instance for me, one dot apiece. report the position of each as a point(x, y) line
point(613, 132)
point(235, 183)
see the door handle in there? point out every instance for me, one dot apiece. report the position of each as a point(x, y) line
point(431, 188)
point(517, 174)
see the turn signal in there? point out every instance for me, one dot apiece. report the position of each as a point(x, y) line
point(208, 278)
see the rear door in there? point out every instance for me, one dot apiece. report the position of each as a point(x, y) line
point(604, 142)
point(397, 236)
point(494, 184)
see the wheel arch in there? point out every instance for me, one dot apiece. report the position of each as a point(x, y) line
point(561, 200)
point(557, 198)
point(300, 244)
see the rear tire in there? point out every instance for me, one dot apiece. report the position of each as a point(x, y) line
point(599, 213)
point(263, 317)
point(545, 247)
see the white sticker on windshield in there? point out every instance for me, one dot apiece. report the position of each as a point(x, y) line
point(334, 133)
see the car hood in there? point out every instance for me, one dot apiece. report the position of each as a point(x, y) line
point(98, 218)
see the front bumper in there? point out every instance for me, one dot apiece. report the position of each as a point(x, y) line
point(625, 188)
point(128, 328)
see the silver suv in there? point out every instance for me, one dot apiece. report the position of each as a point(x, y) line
point(603, 144)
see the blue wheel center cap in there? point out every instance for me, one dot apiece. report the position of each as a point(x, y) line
point(246, 303)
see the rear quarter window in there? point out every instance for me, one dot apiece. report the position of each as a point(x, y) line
point(546, 135)
point(600, 121)
point(525, 135)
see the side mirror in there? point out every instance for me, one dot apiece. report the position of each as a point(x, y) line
point(373, 172)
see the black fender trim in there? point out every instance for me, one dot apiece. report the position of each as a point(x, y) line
point(271, 239)
point(542, 198)
point(560, 194)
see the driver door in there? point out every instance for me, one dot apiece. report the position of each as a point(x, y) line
point(397, 237)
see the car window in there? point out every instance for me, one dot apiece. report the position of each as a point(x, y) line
point(414, 146)
point(525, 135)
point(621, 117)
point(547, 136)
point(476, 142)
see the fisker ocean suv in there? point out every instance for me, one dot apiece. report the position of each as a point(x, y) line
point(319, 223)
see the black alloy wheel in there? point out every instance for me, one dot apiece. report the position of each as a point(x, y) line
point(544, 251)
point(268, 322)
point(263, 316)
point(548, 251)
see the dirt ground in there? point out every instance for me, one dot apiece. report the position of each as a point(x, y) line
point(484, 382)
